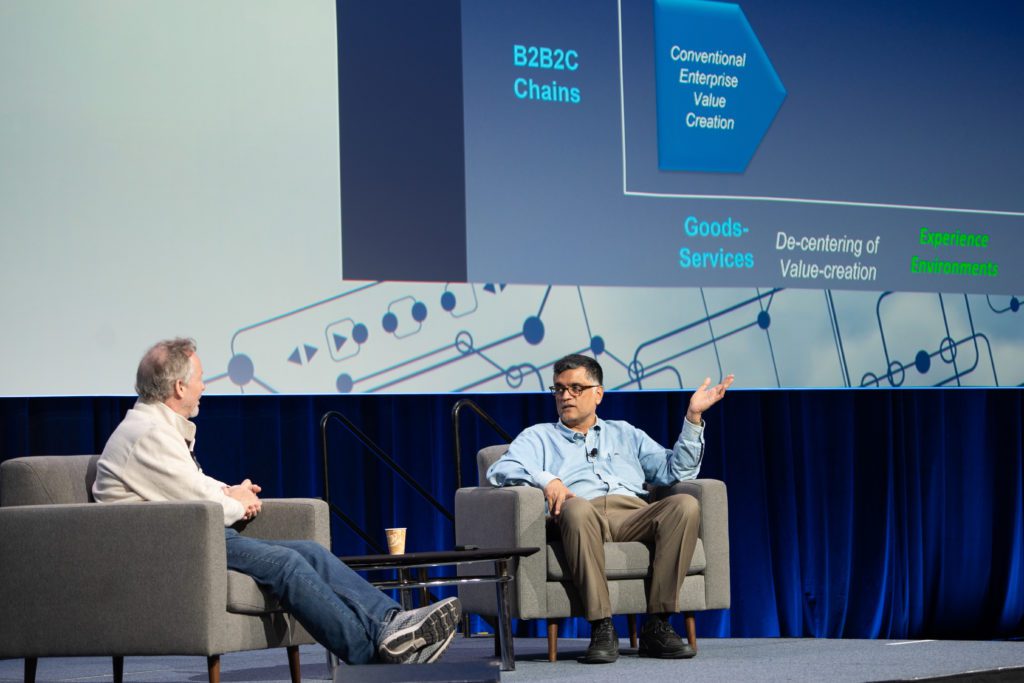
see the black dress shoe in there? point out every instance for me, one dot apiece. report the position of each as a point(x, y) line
point(657, 639)
point(604, 643)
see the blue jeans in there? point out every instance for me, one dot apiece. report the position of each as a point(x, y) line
point(337, 606)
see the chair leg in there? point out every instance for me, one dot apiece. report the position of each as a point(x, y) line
point(332, 664)
point(293, 664)
point(30, 669)
point(631, 622)
point(213, 668)
point(118, 669)
point(691, 630)
point(492, 622)
point(553, 640)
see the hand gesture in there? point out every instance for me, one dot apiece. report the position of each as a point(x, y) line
point(706, 396)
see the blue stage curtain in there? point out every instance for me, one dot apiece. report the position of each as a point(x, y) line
point(867, 514)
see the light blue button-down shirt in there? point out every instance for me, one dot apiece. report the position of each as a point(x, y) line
point(614, 457)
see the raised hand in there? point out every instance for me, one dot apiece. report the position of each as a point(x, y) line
point(706, 396)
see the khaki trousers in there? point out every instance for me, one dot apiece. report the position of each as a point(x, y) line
point(671, 525)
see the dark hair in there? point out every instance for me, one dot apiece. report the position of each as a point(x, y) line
point(164, 364)
point(576, 360)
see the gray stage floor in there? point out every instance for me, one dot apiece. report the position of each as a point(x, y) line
point(720, 659)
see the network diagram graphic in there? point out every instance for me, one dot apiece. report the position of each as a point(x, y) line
point(401, 337)
point(395, 337)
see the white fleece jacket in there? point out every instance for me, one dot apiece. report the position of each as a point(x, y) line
point(149, 457)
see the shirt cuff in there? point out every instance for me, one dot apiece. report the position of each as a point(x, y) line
point(543, 479)
point(692, 432)
point(234, 511)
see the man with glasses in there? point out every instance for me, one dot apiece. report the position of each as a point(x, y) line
point(593, 473)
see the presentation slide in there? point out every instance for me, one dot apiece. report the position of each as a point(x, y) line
point(424, 197)
point(803, 144)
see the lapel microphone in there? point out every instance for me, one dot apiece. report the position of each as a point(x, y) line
point(592, 455)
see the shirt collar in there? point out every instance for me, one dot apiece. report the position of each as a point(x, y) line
point(572, 435)
point(185, 427)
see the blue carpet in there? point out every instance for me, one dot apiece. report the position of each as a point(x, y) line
point(725, 659)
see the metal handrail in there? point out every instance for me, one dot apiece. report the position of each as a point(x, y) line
point(382, 456)
point(456, 410)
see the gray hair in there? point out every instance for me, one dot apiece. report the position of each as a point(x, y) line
point(576, 360)
point(164, 364)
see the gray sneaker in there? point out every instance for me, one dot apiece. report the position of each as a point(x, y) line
point(420, 635)
point(432, 653)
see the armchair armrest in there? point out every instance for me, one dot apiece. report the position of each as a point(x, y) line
point(714, 532)
point(506, 517)
point(111, 579)
point(511, 516)
point(291, 519)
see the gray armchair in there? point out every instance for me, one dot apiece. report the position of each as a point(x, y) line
point(79, 578)
point(514, 516)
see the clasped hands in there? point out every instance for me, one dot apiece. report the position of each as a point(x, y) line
point(245, 493)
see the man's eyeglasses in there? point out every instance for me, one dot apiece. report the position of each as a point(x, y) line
point(574, 390)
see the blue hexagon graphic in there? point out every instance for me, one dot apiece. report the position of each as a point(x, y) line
point(717, 91)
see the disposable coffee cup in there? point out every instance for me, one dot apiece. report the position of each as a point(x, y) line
point(396, 540)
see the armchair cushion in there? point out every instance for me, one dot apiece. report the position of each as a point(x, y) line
point(621, 561)
point(245, 596)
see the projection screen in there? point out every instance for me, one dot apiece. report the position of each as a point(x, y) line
point(430, 197)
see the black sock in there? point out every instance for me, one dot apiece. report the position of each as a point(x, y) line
point(658, 618)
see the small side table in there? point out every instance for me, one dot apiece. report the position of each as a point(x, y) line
point(423, 562)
